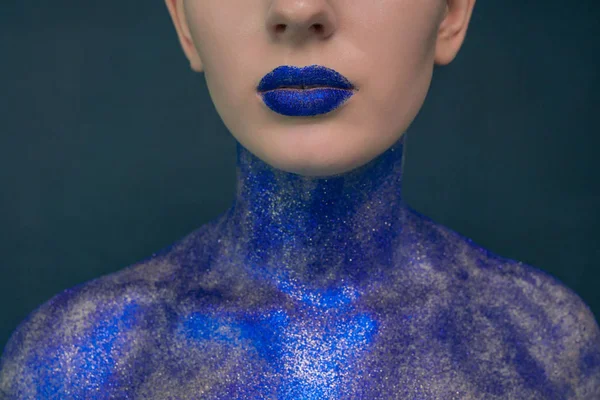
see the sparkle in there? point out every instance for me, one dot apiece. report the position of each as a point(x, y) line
point(311, 288)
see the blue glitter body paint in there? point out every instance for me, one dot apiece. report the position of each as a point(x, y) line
point(336, 337)
point(312, 288)
point(303, 103)
point(335, 90)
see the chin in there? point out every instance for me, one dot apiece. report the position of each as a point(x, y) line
point(313, 151)
point(315, 165)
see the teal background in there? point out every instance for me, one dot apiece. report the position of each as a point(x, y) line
point(111, 149)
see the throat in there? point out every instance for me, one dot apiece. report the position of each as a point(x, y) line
point(319, 230)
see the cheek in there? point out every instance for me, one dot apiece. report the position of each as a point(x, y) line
point(231, 75)
point(229, 86)
point(400, 76)
point(394, 96)
point(397, 64)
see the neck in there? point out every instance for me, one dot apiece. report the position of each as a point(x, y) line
point(315, 229)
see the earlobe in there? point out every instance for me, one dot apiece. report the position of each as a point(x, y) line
point(177, 12)
point(452, 30)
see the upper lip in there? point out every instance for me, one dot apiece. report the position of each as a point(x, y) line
point(303, 77)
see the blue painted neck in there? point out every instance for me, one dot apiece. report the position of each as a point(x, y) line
point(300, 227)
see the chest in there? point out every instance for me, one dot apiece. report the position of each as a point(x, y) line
point(314, 355)
point(334, 354)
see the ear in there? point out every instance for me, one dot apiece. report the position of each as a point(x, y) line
point(452, 30)
point(177, 12)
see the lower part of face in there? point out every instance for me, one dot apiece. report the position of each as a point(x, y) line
point(385, 48)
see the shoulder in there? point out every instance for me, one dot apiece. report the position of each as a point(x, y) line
point(550, 326)
point(569, 325)
point(550, 319)
point(77, 334)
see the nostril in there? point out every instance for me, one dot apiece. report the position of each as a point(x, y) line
point(318, 28)
point(280, 28)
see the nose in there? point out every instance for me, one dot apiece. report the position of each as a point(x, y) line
point(299, 20)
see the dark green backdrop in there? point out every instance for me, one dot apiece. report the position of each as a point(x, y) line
point(111, 149)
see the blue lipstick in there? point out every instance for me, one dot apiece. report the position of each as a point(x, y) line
point(307, 91)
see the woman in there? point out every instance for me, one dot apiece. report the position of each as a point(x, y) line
point(319, 282)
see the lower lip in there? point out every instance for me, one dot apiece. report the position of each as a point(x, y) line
point(305, 102)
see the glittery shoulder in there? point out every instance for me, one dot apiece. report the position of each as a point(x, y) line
point(563, 336)
point(68, 346)
point(550, 333)
point(479, 312)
